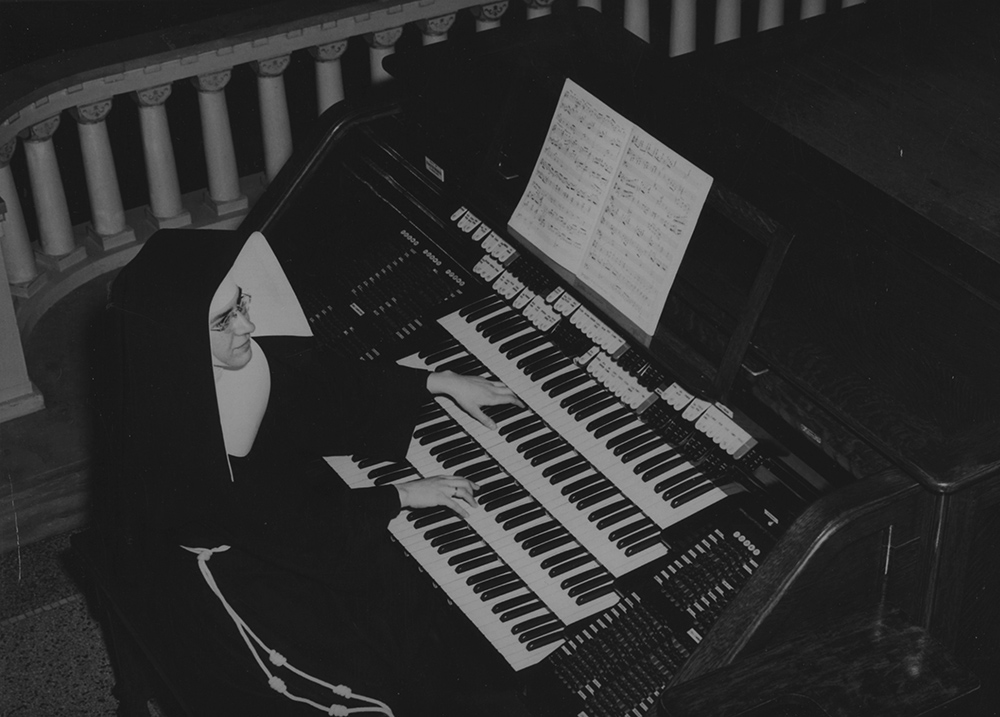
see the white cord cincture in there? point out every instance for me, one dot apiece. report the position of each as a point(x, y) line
point(279, 660)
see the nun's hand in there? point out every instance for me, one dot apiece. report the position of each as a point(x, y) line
point(448, 491)
point(472, 393)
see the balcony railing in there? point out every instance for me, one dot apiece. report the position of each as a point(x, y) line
point(50, 246)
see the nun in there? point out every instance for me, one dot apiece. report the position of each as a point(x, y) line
point(274, 587)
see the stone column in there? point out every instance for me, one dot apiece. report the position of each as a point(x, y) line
point(329, 76)
point(812, 8)
point(435, 29)
point(488, 16)
point(538, 8)
point(59, 249)
point(381, 44)
point(18, 396)
point(596, 4)
point(682, 27)
point(727, 20)
point(165, 209)
point(637, 18)
point(771, 14)
point(224, 195)
point(275, 126)
point(107, 228)
point(15, 243)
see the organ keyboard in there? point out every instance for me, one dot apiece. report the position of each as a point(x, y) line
point(658, 506)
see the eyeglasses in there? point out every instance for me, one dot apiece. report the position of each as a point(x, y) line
point(226, 322)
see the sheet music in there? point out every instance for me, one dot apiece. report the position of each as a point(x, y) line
point(644, 230)
point(612, 204)
point(572, 176)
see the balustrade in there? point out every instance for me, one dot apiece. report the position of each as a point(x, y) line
point(114, 233)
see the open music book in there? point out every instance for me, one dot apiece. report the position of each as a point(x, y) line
point(612, 204)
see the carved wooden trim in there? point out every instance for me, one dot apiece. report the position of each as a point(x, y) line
point(437, 25)
point(92, 113)
point(490, 13)
point(152, 96)
point(328, 52)
point(272, 67)
point(42, 131)
point(384, 39)
point(213, 81)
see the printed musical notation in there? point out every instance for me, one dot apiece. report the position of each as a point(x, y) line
point(613, 204)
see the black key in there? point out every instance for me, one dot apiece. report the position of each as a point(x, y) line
point(544, 360)
point(440, 434)
point(496, 319)
point(461, 530)
point(439, 353)
point(647, 448)
point(544, 537)
point(508, 331)
point(545, 449)
point(502, 590)
point(542, 372)
point(558, 381)
point(479, 471)
point(535, 530)
point(364, 463)
point(496, 572)
point(581, 395)
point(392, 477)
point(504, 576)
point(598, 423)
point(459, 459)
point(551, 545)
point(616, 442)
point(658, 465)
point(597, 487)
point(487, 307)
point(435, 533)
point(586, 412)
point(596, 593)
point(524, 519)
point(590, 501)
point(473, 564)
point(515, 512)
point(471, 555)
point(388, 470)
point(501, 501)
point(521, 344)
point(582, 483)
point(514, 602)
point(431, 427)
point(536, 622)
point(422, 520)
point(519, 611)
point(540, 355)
point(612, 426)
point(668, 483)
point(681, 488)
point(628, 529)
point(455, 545)
point(551, 454)
point(692, 494)
point(489, 489)
point(515, 436)
point(638, 537)
point(646, 544)
point(568, 386)
point(542, 631)
point(583, 577)
point(569, 472)
point(554, 560)
point(564, 465)
point(641, 441)
point(617, 517)
point(519, 424)
point(449, 445)
point(593, 584)
point(608, 510)
point(537, 441)
point(569, 565)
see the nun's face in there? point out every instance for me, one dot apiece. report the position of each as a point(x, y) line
point(230, 327)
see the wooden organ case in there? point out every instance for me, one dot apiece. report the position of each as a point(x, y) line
point(846, 338)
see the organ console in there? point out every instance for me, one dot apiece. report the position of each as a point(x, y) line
point(798, 442)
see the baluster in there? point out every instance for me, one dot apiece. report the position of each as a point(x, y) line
point(683, 16)
point(224, 195)
point(59, 249)
point(637, 18)
point(538, 8)
point(771, 14)
point(275, 126)
point(727, 20)
point(380, 45)
point(596, 4)
point(812, 8)
point(165, 209)
point(15, 243)
point(488, 16)
point(107, 228)
point(18, 396)
point(329, 75)
point(435, 29)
